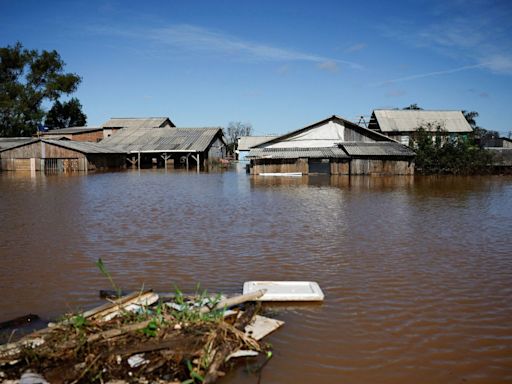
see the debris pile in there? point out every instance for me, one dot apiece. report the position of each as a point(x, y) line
point(142, 338)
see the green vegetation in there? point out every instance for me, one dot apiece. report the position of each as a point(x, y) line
point(101, 266)
point(28, 79)
point(67, 114)
point(190, 310)
point(437, 153)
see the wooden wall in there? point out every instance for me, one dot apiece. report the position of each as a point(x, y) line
point(93, 137)
point(338, 167)
point(381, 167)
point(279, 166)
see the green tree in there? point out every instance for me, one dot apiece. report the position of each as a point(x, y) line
point(67, 114)
point(413, 107)
point(452, 156)
point(471, 118)
point(27, 79)
point(481, 135)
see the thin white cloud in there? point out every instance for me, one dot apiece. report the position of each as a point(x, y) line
point(429, 74)
point(356, 47)
point(475, 33)
point(500, 63)
point(329, 66)
point(198, 39)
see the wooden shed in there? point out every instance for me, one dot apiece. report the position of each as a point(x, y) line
point(333, 146)
point(195, 148)
point(59, 156)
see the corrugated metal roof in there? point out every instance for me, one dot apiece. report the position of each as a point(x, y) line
point(163, 139)
point(136, 122)
point(12, 142)
point(84, 147)
point(246, 142)
point(381, 148)
point(79, 146)
point(71, 130)
point(410, 120)
point(295, 153)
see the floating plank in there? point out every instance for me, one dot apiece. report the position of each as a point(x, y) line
point(286, 174)
point(286, 290)
point(261, 326)
point(232, 301)
point(130, 303)
point(242, 353)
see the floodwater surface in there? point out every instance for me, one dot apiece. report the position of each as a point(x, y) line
point(417, 272)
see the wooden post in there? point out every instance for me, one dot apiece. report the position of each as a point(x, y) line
point(138, 160)
point(165, 157)
point(196, 158)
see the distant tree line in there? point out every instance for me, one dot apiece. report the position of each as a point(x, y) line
point(28, 80)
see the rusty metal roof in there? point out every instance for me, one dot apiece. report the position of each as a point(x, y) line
point(295, 153)
point(381, 148)
point(163, 139)
point(391, 120)
point(137, 122)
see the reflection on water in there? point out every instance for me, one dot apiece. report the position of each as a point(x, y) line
point(417, 272)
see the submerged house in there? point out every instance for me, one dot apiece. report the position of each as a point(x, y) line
point(180, 147)
point(401, 124)
point(332, 146)
point(57, 156)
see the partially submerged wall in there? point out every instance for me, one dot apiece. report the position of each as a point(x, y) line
point(337, 167)
point(381, 167)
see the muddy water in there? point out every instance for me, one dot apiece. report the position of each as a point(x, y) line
point(417, 272)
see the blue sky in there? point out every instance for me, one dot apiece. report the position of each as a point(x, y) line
point(279, 65)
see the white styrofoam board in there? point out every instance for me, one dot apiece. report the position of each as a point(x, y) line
point(286, 290)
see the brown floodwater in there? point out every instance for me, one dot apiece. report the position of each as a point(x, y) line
point(417, 271)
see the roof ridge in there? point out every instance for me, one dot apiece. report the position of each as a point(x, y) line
point(418, 110)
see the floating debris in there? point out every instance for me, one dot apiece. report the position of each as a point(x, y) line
point(141, 338)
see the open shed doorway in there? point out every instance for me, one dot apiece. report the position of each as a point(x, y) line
point(319, 166)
